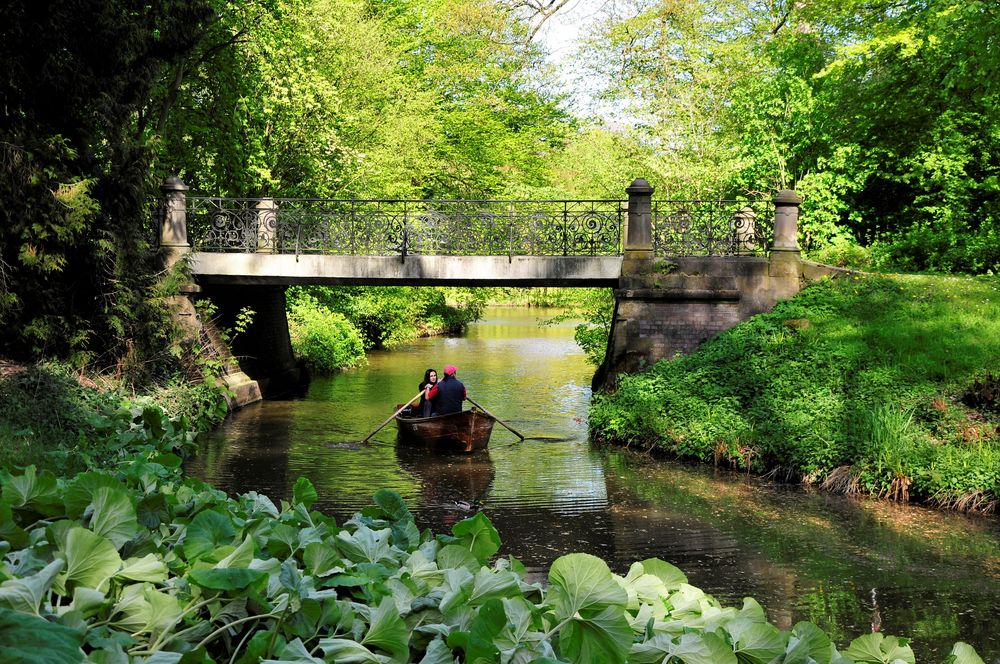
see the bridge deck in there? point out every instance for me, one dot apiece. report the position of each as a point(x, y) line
point(414, 270)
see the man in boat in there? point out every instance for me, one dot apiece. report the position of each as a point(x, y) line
point(448, 393)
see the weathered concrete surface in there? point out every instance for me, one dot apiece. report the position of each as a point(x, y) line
point(286, 269)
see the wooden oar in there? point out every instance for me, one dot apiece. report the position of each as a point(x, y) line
point(495, 418)
point(365, 439)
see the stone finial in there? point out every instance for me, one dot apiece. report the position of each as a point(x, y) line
point(639, 186)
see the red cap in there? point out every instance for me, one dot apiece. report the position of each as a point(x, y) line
point(450, 370)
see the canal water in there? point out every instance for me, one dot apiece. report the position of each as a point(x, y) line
point(844, 564)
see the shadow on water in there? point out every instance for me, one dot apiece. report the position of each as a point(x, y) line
point(805, 555)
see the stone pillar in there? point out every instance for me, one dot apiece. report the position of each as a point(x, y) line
point(785, 266)
point(786, 221)
point(267, 225)
point(639, 224)
point(173, 227)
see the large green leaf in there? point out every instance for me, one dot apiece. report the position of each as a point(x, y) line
point(10, 531)
point(877, 648)
point(366, 545)
point(580, 582)
point(703, 648)
point(671, 576)
point(90, 560)
point(228, 578)
point(33, 490)
point(26, 594)
point(388, 632)
point(479, 536)
point(604, 637)
point(241, 556)
point(80, 492)
point(454, 556)
point(304, 492)
point(346, 651)
point(31, 640)
point(493, 584)
point(807, 644)
point(142, 608)
point(114, 515)
point(322, 560)
point(963, 653)
point(207, 531)
point(438, 652)
point(148, 568)
point(392, 505)
point(458, 583)
point(483, 632)
point(755, 643)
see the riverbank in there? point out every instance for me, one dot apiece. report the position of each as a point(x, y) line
point(884, 385)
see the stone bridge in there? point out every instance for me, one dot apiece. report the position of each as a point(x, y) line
point(682, 271)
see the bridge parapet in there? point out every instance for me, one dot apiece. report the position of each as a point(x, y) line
point(402, 227)
point(399, 227)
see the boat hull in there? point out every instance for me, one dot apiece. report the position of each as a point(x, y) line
point(458, 432)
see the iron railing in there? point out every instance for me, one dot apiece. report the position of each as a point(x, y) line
point(712, 228)
point(469, 227)
point(394, 227)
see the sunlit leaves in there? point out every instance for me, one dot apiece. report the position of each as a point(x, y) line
point(90, 560)
point(876, 648)
point(479, 535)
point(26, 594)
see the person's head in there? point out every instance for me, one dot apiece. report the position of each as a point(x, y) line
point(450, 370)
point(431, 376)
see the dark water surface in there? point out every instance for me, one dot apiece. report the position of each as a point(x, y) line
point(838, 562)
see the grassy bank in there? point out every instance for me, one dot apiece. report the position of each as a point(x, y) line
point(56, 418)
point(888, 385)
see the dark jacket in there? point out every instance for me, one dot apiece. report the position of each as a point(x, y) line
point(448, 395)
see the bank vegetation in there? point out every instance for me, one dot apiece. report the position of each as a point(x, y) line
point(886, 385)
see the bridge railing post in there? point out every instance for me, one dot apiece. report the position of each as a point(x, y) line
point(267, 225)
point(173, 225)
point(786, 221)
point(638, 246)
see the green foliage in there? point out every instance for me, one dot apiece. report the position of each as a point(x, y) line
point(49, 419)
point(324, 339)
point(76, 276)
point(387, 316)
point(237, 579)
point(855, 383)
point(880, 117)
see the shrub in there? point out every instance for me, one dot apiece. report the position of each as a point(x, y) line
point(324, 339)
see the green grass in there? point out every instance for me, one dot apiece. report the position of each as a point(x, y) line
point(859, 383)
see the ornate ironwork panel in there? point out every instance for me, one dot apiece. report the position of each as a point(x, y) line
point(393, 227)
point(712, 228)
point(472, 228)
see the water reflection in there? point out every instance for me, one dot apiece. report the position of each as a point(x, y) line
point(804, 555)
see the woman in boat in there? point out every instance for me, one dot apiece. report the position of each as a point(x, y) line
point(430, 380)
point(448, 393)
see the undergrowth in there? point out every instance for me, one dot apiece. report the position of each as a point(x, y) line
point(882, 385)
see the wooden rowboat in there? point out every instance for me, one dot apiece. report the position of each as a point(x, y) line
point(458, 432)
